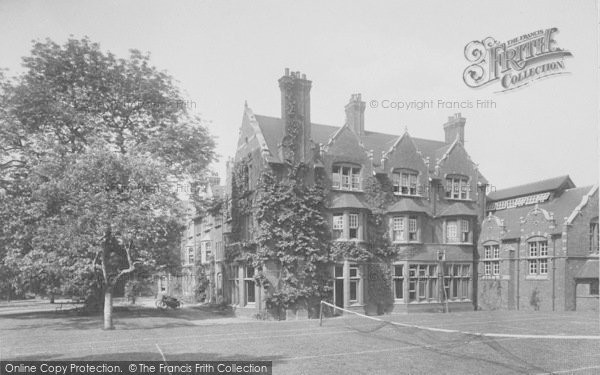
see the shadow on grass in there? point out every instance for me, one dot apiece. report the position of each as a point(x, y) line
point(152, 356)
point(124, 317)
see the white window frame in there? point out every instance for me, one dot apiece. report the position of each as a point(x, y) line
point(457, 187)
point(398, 277)
point(406, 182)
point(452, 236)
point(355, 280)
point(249, 282)
point(491, 260)
point(338, 226)
point(537, 253)
point(398, 229)
point(353, 224)
point(345, 177)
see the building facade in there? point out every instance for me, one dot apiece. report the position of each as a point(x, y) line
point(437, 202)
point(538, 248)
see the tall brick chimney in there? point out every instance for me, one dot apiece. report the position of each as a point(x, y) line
point(355, 114)
point(455, 126)
point(295, 113)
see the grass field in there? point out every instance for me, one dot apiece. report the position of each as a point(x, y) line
point(340, 346)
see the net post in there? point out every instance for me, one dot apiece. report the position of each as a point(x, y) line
point(321, 314)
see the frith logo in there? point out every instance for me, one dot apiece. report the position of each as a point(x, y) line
point(515, 63)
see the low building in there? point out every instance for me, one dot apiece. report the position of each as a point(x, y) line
point(538, 247)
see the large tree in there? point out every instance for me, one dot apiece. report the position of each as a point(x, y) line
point(91, 147)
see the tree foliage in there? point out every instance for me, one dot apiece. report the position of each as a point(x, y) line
point(95, 144)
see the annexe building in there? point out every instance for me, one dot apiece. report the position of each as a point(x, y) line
point(433, 220)
point(538, 247)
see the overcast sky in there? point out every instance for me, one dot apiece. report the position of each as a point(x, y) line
point(225, 52)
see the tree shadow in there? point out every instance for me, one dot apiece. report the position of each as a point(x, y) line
point(130, 318)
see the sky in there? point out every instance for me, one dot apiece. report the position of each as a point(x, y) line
point(223, 53)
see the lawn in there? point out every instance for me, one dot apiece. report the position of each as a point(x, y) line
point(340, 346)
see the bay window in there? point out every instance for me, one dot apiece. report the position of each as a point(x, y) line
point(354, 283)
point(338, 226)
point(353, 226)
point(347, 225)
point(405, 228)
point(422, 283)
point(458, 231)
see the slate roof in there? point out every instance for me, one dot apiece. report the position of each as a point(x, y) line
point(551, 184)
point(346, 200)
point(409, 205)
point(458, 209)
point(273, 129)
point(589, 270)
point(561, 206)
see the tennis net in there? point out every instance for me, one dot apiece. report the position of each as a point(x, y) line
point(516, 352)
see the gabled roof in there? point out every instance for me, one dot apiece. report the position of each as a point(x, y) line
point(409, 205)
point(551, 184)
point(561, 207)
point(459, 209)
point(346, 200)
point(272, 129)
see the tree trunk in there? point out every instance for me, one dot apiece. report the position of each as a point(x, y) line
point(108, 324)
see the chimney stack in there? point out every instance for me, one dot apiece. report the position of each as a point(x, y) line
point(355, 114)
point(455, 127)
point(295, 113)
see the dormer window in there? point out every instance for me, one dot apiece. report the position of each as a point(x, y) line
point(457, 187)
point(405, 182)
point(345, 177)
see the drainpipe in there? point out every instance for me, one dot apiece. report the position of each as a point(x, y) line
point(553, 272)
point(518, 269)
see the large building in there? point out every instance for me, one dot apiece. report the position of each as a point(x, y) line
point(432, 220)
point(538, 247)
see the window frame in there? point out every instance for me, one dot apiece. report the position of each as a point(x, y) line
point(458, 187)
point(491, 260)
point(537, 257)
point(355, 281)
point(398, 278)
point(594, 236)
point(405, 182)
point(347, 226)
point(405, 228)
point(423, 283)
point(462, 236)
point(346, 177)
point(249, 285)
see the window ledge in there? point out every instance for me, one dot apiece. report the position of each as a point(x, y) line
point(495, 277)
point(355, 304)
point(349, 240)
point(348, 190)
point(459, 243)
point(536, 277)
point(407, 242)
